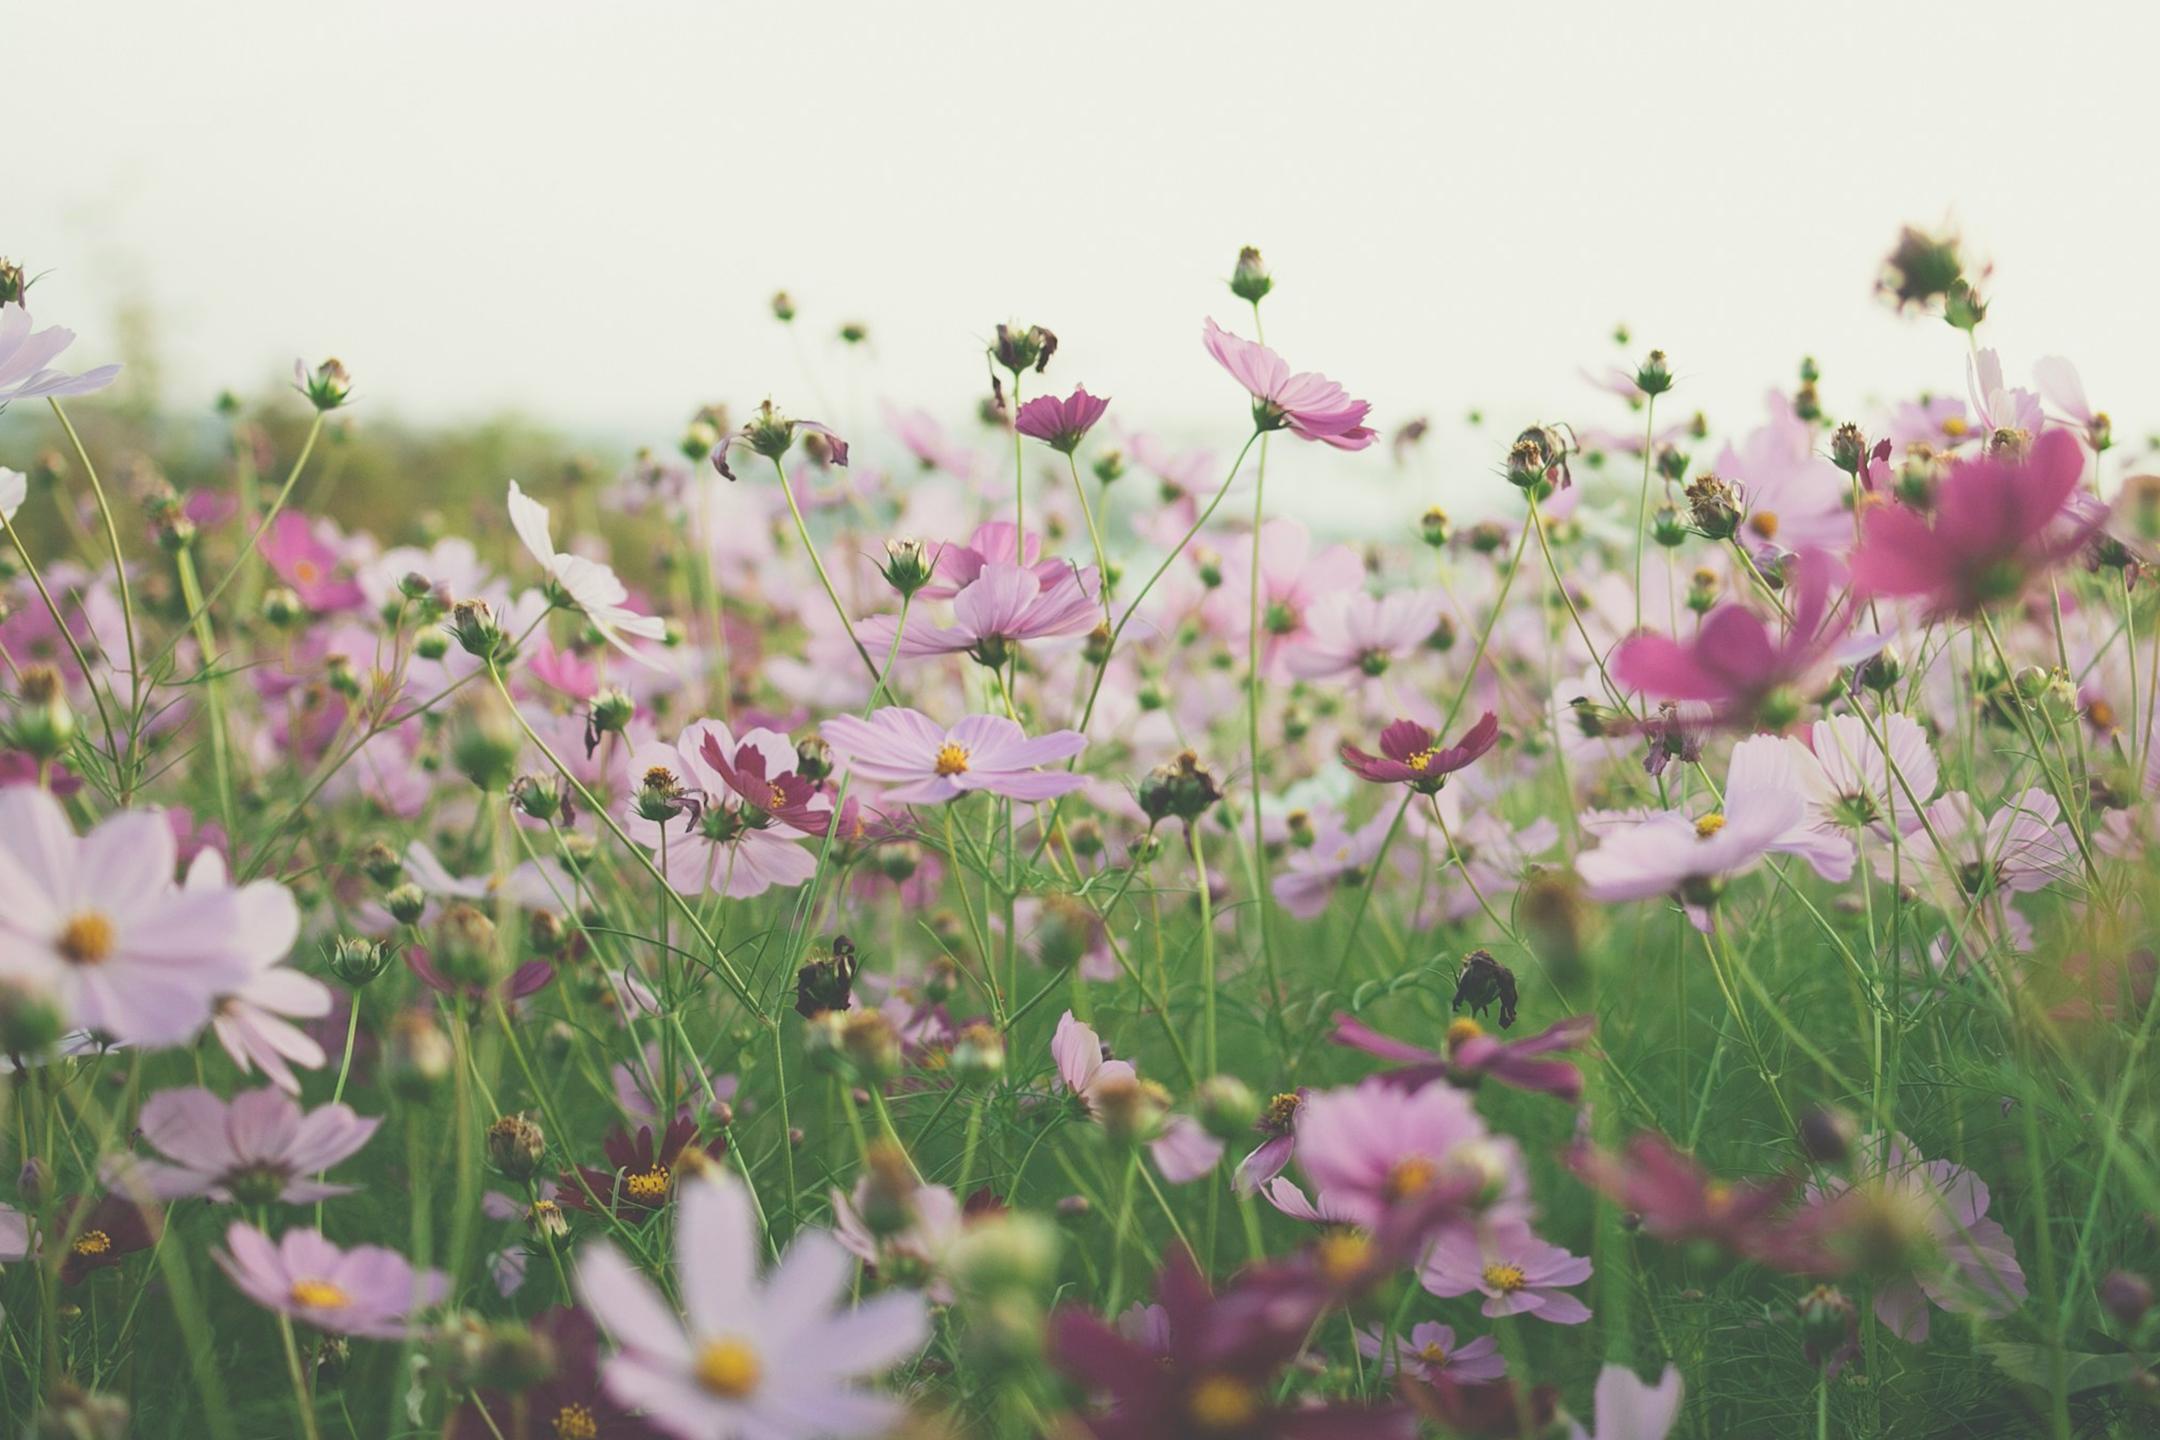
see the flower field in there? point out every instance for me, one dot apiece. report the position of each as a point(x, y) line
point(998, 919)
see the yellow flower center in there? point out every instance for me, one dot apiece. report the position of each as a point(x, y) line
point(1433, 1354)
point(779, 798)
point(727, 1368)
point(1419, 761)
point(1282, 1110)
point(1507, 1279)
point(1954, 426)
point(650, 1186)
point(1717, 1196)
point(1764, 523)
point(951, 759)
point(575, 1422)
point(88, 939)
point(1409, 1177)
point(1464, 1029)
point(318, 1295)
point(1219, 1402)
point(1344, 1254)
point(1708, 826)
point(93, 1242)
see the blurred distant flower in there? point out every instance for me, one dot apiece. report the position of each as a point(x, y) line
point(1354, 633)
point(308, 563)
point(366, 1291)
point(646, 1170)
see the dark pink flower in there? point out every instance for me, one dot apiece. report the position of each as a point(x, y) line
point(1061, 424)
point(1473, 1054)
point(309, 563)
point(1308, 403)
point(1678, 1200)
point(1736, 663)
point(1409, 754)
point(1998, 523)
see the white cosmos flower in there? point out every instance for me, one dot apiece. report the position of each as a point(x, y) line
point(589, 585)
point(14, 489)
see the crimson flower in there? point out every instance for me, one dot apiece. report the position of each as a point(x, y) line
point(1061, 424)
point(1410, 755)
point(1472, 1054)
point(642, 1180)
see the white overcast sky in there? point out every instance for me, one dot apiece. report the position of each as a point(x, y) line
point(579, 211)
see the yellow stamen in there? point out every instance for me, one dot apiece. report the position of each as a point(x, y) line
point(1464, 1029)
point(1433, 1354)
point(1409, 1177)
point(575, 1422)
point(88, 939)
point(951, 759)
point(1507, 1279)
point(728, 1368)
point(318, 1295)
point(1764, 523)
point(650, 1186)
point(1344, 1254)
point(1419, 761)
point(1708, 826)
point(93, 1242)
point(1219, 1402)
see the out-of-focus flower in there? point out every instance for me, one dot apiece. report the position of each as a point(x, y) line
point(923, 763)
point(769, 1356)
point(1353, 633)
point(1309, 404)
point(1003, 606)
point(1628, 1408)
point(1430, 1352)
point(297, 549)
point(366, 1291)
point(24, 358)
point(1472, 1055)
point(1679, 1201)
point(570, 1404)
point(257, 1148)
point(586, 586)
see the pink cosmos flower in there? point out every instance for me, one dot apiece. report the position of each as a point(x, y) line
point(1631, 1409)
point(711, 840)
point(1472, 1054)
point(1997, 524)
point(1083, 1061)
point(1794, 499)
point(1349, 633)
point(96, 922)
point(994, 542)
point(1736, 664)
point(770, 1357)
point(922, 763)
point(1429, 1352)
point(926, 439)
point(366, 1291)
point(1001, 607)
point(258, 1147)
point(1974, 862)
point(1185, 1152)
point(1669, 854)
point(253, 1022)
point(1969, 1268)
point(1516, 1272)
point(1409, 755)
point(1680, 1201)
point(1308, 403)
point(1061, 424)
point(23, 361)
point(1370, 1148)
point(1337, 856)
point(1293, 577)
point(303, 556)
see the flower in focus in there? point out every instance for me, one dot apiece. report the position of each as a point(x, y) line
point(1998, 524)
point(1372, 1147)
point(1516, 1272)
point(1308, 403)
point(1409, 754)
point(256, 1148)
point(96, 922)
point(366, 1291)
point(1669, 854)
point(922, 763)
point(770, 1357)
point(645, 1173)
point(24, 356)
point(1061, 424)
point(1001, 607)
point(586, 586)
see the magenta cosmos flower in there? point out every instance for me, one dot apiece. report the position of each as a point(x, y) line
point(1473, 1054)
point(921, 763)
point(1308, 403)
point(1411, 755)
point(1680, 1201)
point(1997, 523)
point(1374, 1147)
point(259, 1147)
point(1516, 1272)
point(305, 559)
point(1736, 663)
point(1061, 424)
point(96, 922)
point(366, 1291)
point(769, 1357)
point(23, 355)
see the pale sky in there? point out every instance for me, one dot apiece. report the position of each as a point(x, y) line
point(579, 211)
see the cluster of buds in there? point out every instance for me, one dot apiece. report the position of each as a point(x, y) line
point(1182, 789)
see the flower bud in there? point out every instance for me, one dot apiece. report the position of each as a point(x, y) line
point(473, 625)
point(1654, 375)
point(515, 1146)
point(870, 1044)
point(13, 283)
point(1013, 1252)
point(539, 796)
point(1434, 528)
point(1226, 1107)
point(465, 944)
point(1848, 448)
point(1667, 528)
point(907, 566)
point(1828, 1323)
point(357, 960)
point(1182, 788)
point(1021, 348)
point(30, 1021)
point(1921, 267)
point(406, 903)
point(611, 710)
point(1250, 281)
point(783, 307)
point(74, 1413)
point(485, 747)
point(416, 1055)
point(1130, 1109)
point(431, 644)
point(1713, 507)
point(978, 1055)
point(282, 608)
point(327, 386)
point(380, 863)
point(44, 722)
